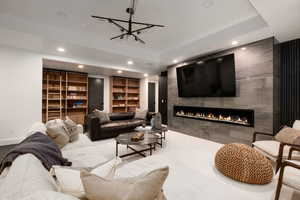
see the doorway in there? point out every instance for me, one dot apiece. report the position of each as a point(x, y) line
point(151, 97)
point(96, 94)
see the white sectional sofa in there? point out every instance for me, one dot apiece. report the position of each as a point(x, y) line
point(192, 173)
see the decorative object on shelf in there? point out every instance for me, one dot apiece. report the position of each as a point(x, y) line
point(137, 137)
point(131, 30)
point(243, 163)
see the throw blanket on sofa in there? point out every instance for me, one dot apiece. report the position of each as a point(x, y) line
point(41, 146)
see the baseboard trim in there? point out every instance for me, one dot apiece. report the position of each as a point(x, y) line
point(10, 141)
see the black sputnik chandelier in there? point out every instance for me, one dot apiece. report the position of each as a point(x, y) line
point(128, 30)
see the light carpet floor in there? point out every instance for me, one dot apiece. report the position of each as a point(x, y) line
point(175, 141)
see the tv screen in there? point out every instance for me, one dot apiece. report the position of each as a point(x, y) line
point(208, 78)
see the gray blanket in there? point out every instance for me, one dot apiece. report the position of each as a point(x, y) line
point(41, 146)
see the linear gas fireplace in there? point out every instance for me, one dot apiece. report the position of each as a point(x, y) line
point(242, 117)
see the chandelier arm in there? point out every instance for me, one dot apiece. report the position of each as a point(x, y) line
point(141, 29)
point(118, 25)
point(146, 24)
point(118, 36)
point(124, 21)
point(138, 39)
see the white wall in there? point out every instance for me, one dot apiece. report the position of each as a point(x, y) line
point(144, 92)
point(20, 92)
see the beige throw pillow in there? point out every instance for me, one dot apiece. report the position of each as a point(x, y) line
point(143, 187)
point(103, 116)
point(59, 134)
point(289, 136)
point(140, 114)
point(68, 178)
point(72, 129)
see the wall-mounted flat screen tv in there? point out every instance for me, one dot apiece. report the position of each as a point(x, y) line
point(208, 78)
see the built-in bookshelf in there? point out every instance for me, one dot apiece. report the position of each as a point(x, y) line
point(64, 94)
point(125, 94)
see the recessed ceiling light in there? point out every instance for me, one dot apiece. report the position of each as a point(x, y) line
point(200, 62)
point(244, 48)
point(130, 62)
point(80, 66)
point(175, 61)
point(120, 71)
point(146, 75)
point(234, 42)
point(60, 49)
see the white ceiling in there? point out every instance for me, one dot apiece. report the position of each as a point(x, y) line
point(282, 16)
point(91, 70)
point(192, 27)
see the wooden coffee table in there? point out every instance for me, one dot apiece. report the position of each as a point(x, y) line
point(149, 140)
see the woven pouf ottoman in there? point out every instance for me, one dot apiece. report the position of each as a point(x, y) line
point(243, 163)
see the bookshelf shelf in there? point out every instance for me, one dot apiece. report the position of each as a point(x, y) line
point(64, 94)
point(125, 94)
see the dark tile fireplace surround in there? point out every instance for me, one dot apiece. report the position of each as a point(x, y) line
point(256, 99)
point(240, 117)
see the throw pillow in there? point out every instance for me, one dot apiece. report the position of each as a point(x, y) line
point(296, 125)
point(72, 129)
point(289, 136)
point(59, 134)
point(146, 187)
point(69, 181)
point(140, 114)
point(103, 116)
point(157, 121)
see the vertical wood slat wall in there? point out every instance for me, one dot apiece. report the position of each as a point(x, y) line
point(64, 94)
point(290, 82)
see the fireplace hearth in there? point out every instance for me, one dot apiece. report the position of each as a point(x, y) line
point(241, 117)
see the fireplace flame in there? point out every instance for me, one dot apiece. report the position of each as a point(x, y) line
point(211, 116)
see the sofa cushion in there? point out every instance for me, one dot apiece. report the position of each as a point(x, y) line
point(121, 116)
point(48, 195)
point(25, 176)
point(83, 141)
point(146, 187)
point(115, 124)
point(270, 148)
point(135, 122)
point(85, 157)
point(291, 176)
